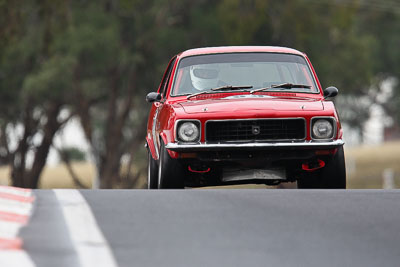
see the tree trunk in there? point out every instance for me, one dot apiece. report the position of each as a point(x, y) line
point(68, 164)
point(50, 129)
point(18, 159)
point(110, 172)
point(29, 178)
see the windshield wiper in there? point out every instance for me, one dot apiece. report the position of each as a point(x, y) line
point(222, 88)
point(282, 85)
point(231, 87)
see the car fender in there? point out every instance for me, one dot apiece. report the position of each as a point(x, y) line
point(164, 139)
point(151, 148)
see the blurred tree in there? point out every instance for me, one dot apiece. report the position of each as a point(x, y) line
point(72, 153)
point(381, 23)
point(31, 87)
point(102, 86)
point(69, 155)
point(114, 45)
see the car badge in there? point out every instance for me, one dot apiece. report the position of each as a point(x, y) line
point(205, 109)
point(255, 129)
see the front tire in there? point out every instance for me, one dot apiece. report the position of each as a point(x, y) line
point(170, 173)
point(152, 172)
point(332, 176)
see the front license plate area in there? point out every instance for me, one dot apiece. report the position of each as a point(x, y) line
point(255, 174)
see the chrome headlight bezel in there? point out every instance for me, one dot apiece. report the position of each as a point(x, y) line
point(178, 133)
point(331, 121)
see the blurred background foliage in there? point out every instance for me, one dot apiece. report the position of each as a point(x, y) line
point(94, 61)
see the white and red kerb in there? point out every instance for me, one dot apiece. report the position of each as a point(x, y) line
point(15, 209)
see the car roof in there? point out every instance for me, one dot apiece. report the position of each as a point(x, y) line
point(239, 49)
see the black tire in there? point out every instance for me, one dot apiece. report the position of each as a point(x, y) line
point(152, 172)
point(332, 176)
point(170, 172)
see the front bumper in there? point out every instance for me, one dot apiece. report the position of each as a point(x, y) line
point(181, 147)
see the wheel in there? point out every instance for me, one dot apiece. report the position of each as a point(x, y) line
point(170, 172)
point(152, 172)
point(332, 176)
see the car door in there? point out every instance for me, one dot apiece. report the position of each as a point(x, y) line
point(159, 106)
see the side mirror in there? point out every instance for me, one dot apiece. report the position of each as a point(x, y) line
point(331, 91)
point(153, 97)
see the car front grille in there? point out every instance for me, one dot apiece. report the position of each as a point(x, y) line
point(255, 130)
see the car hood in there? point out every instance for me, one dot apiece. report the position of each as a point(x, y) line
point(237, 104)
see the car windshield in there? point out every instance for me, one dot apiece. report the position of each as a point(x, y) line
point(259, 70)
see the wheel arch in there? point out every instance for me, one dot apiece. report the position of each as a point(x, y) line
point(151, 148)
point(164, 139)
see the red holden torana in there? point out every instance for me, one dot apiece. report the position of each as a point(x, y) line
point(234, 115)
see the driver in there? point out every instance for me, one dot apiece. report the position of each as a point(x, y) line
point(204, 76)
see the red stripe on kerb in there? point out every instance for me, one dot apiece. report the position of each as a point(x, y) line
point(16, 197)
point(16, 188)
point(13, 217)
point(15, 243)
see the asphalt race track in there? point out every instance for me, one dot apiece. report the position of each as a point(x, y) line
point(218, 227)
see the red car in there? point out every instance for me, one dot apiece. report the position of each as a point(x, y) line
point(234, 115)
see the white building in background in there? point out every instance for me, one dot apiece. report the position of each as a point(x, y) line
point(351, 137)
point(374, 128)
point(373, 131)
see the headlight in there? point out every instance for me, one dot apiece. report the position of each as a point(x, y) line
point(322, 129)
point(188, 132)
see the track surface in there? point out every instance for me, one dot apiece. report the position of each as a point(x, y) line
point(228, 228)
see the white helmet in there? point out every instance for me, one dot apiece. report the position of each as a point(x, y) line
point(204, 76)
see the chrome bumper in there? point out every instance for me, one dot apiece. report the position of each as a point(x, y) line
point(179, 147)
